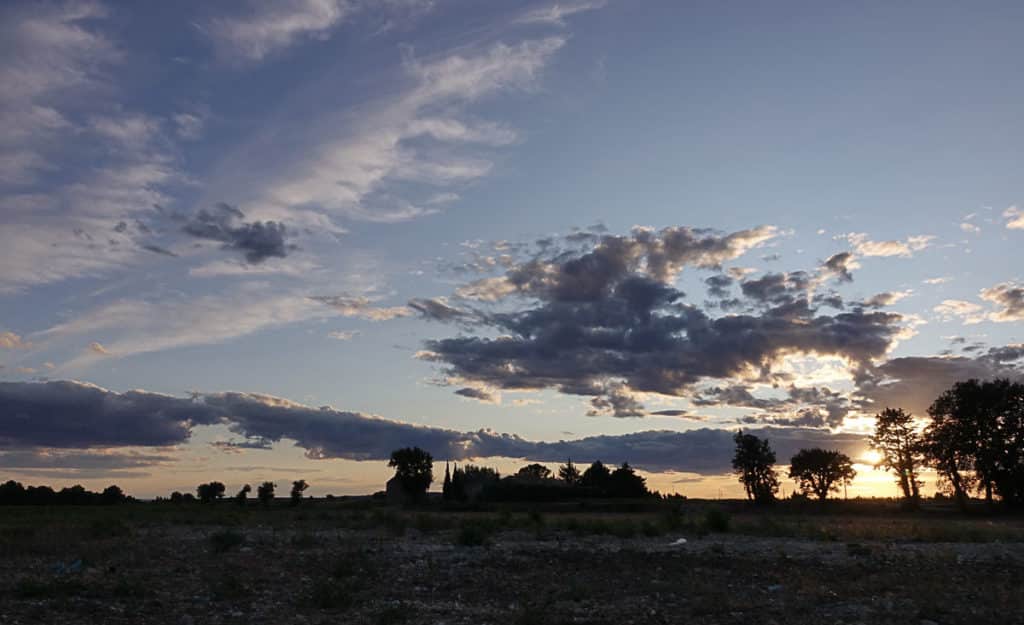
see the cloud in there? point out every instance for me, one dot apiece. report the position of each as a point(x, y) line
point(938, 280)
point(914, 382)
point(362, 307)
point(392, 160)
point(951, 309)
point(841, 265)
point(604, 321)
point(188, 126)
point(1009, 297)
point(150, 325)
point(10, 340)
point(271, 28)
point(68, 414)
point(343, 335)
point(970, 228)
point(96, 348)
point(63, 415)
point(257, 240)
point(886, 298)
point(1015, 218)
point(906, 248)
point(476, 393)
point(438, 309)
point(556, 13)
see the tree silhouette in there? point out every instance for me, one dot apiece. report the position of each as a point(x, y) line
point(976, 439)
point(446, 487)
point(534, 472)
point(243, 495)
point(414, 470)
point(265, 492)
point(298, 487)
point(624, 482)
point(820, 471)
point(210, 491)
point(902, 449)
point(596, 476)
point(112, 494)
point(569, 474)
point(754, 462)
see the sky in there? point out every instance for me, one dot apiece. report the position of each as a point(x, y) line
point(250, 241)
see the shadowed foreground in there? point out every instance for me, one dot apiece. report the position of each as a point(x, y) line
point(151, 564)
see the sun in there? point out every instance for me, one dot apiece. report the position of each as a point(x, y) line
point(871, 456)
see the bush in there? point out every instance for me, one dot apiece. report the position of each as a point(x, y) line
point(717, 520)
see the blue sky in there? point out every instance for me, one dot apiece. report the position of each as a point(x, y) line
point(301, 201)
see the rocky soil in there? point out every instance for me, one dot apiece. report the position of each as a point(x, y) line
point(192, 575)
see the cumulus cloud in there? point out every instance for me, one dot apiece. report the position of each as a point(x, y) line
point(841, 266)
point(74, 415)
point(604, 320)
point(1009, 297)
point(257, 240)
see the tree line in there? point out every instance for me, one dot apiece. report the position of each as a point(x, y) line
point(973, 439)
point(533, 482)
point(15, 494)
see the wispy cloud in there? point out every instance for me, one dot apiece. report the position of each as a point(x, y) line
point(905, 247)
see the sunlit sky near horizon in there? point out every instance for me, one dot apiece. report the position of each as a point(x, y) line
point(248, 241)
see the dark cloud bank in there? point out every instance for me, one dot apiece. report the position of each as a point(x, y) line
point(71, 419)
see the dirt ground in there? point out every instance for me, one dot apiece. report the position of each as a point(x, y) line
point(389, 569)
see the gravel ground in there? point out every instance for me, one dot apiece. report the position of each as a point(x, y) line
point(205, 574)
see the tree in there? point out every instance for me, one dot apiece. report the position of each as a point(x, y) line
point(902, 448)
point(754, 462)
point(210, 492)
point(112, 494)
point(624, 482)
point(820, 471)
point(596, 476)
point(446, 486)
point(534, 472)
point(569, 474)
point(976, 439)
point(243, 495)
point(298, 487)
point(414, 470)
point(265, 492)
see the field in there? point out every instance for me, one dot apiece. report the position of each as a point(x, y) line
point(359, 561)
